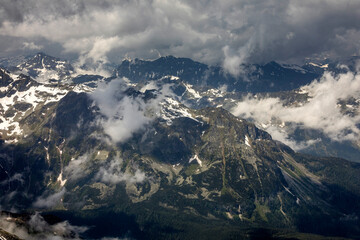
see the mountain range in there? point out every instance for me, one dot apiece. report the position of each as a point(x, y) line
point(166, 148)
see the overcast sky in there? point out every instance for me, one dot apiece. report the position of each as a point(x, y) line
point(212, 31)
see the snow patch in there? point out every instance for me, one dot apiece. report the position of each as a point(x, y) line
point(171, 109)
point(14, 76)
point(150, 86)
point(197, 159)
point(288, 190)
point(320, 66)
point(173, 78)
point(44, 75)
point(192, 91)
point(12, 141)
point(247, 141)
point(47, 154)
point(217, 92)
point(293, 67)
point(61, 180)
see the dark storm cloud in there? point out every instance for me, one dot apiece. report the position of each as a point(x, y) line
point(11, 11)
point(213, 31)
point(21, 10)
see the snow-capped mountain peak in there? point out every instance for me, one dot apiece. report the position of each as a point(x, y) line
point(44, 68)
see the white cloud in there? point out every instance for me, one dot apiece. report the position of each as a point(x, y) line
point(77, 167)
point(93, 58)
point(49, 201)
point(232, 62)
point(31, 46)
point(320, 112)
point(285, 137)
point(112, 173)
point(38, 228)
point(109, 172)
point(16, 177)
point(123, 115)
point(129, 117)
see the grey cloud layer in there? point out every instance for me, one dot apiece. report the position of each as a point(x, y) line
point(216, 32)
